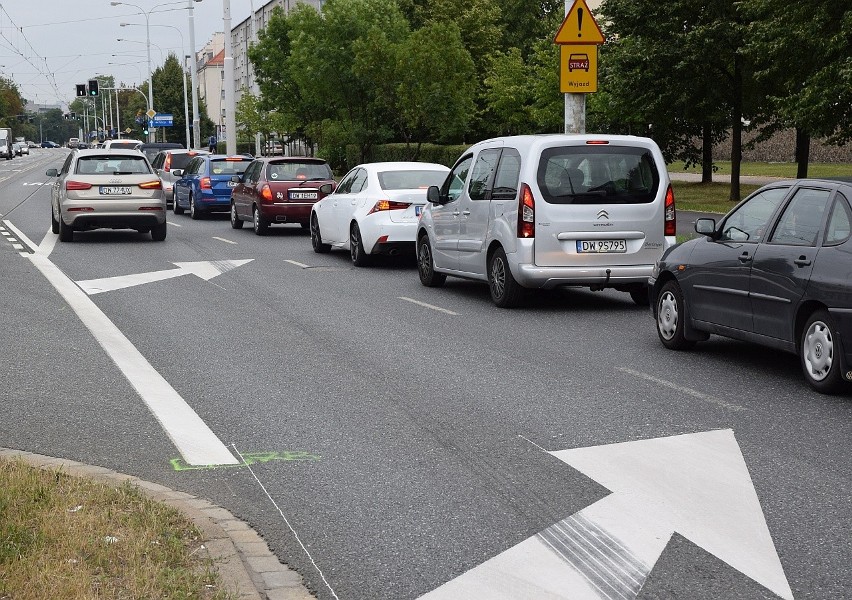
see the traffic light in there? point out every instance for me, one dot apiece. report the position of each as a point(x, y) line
point(72, 115)
point(81, 89)
point(93, 87)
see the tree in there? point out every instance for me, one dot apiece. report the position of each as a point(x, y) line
point(169, 80)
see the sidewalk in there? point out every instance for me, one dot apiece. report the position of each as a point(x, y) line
point(248, 569)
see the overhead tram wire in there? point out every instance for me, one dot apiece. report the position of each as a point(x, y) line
point(47, 72)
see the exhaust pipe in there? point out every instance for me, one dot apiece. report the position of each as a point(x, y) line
point(393, 251)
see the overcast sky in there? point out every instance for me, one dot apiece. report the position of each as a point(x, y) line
point(76, 39)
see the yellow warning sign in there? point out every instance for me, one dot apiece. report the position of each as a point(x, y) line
point(579, 27)
point(578, 69)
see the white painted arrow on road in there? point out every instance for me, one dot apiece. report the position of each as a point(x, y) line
point(697, 485)
point(207, 270)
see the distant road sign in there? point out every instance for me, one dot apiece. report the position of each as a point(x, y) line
point(162, 120)
point(151, 113)
point(579, 27)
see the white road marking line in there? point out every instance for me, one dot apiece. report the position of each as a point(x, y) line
point(195, 441)
point(298, 264)
point(682, 389)
point(281, 512)
point(224, 240)
point(21, 236)
point(174, 224)
point(425, 305)
point(17, 247)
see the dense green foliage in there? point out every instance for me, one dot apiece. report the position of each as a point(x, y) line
point(686, 72)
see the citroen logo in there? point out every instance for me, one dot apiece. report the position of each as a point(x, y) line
point(603, 215)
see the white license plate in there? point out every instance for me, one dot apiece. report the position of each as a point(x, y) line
point(232, 184)
point(601, 246)
point(111, 190)
point(303, 195)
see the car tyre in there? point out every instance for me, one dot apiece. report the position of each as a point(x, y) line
point(426, 265)
point(316, 237)
point(236, 222)
point(639, 295)
point(261, 225)
point(506, 292)
point(66, 232)
point(178, 210)
point(194, 212)
point(819, 353)
point(54, 224)
point(356, 247)
point(158, 232)
point(671, 316)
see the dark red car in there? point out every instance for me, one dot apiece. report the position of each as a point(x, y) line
point(279, 190)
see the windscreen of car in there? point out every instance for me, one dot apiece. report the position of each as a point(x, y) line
point(112, 164)
point(180, 160)
point(298, 171)
point(598, 174)
point(229, 166)
point(410, 179)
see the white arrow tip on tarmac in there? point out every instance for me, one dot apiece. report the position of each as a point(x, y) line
point(697, 485)
point(208, 269)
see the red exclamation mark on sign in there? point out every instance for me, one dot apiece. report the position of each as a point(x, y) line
point(579, 22)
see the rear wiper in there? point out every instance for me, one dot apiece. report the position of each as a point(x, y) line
point(590, 194)
point(122, 172)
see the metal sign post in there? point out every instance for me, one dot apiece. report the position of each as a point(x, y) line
point(578, 38)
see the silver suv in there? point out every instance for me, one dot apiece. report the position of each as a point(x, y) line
point(113, 189)
point(169, 165)
point(546, 211)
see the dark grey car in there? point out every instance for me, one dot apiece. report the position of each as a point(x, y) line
point(776, 270)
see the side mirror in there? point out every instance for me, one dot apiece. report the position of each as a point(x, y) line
point(236, 178)
point(326, 188)
point(433, 195)
point(705, 226)
point(177, 172)
point(52, 173)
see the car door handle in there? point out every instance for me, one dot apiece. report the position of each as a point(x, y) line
point(745, 257)
point(354, 202)
point(456, 213)
point(802, 261)
point(465, 212)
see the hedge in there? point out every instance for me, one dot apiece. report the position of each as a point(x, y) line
point(432, 153)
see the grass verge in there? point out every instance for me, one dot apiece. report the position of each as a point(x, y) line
point(71, 538)
point(773, 169)
point(707, 197)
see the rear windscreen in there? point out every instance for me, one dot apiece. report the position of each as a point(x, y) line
point(298, 171)
point(123, 146)
point(112, 164)
point(179, 161)
point(224, 166)
point(597, 175)
point(410, 180)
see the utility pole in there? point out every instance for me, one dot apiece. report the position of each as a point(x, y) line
point(230, 119)
point(193, 72)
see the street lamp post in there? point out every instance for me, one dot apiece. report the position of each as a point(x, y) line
point(193, 73)
point(148, 48)
point(183, 77)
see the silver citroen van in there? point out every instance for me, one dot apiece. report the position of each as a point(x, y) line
point(546, 211)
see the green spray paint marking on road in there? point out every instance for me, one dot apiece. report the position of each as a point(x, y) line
point(251, 458)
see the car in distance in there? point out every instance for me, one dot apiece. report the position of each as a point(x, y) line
point(279, 190)
point(122, 144)
point(16, 148)
point(150, 150)
point(374, 210)
point(49, 144)
point(24, 148)
point(548, 211)
point(113, 189)
point(774, 271)
point(169, 165)
point(205, 185)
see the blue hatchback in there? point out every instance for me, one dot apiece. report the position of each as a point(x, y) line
point(205, 185)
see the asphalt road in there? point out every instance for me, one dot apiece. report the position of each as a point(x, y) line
point(401, 437)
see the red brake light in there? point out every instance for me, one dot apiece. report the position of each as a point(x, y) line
point(388, 205)
point(235, 158)
point(597, 142)
point(670, 227)
point(167, 164)
point(77, 185)
point(266, 192)
point(526, 212)
point(205, 183)
point(152, 185)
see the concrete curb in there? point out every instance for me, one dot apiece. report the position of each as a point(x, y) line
point(248, 569)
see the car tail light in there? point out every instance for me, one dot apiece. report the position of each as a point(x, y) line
point(152, 185)
point(81, 209)
point(597, 142)
point(205, 183)
point(670, 227)
point(167, 164)
point(526, 213)
point(382, 205)
point(77, 185)
point(235, 158)
point(266, 192)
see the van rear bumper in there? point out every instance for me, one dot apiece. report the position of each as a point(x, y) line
point(532, 276)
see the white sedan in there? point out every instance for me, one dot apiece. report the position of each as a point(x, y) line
point(375, 209)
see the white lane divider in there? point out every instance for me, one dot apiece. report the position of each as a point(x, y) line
point(224, 240)
point(425, 305)
point(684, 390)
point(195, 441)
point(298, 264)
